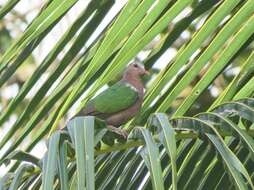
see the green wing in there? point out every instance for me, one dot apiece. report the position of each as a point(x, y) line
point(118, 97)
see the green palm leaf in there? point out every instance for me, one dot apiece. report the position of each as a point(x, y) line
point(195, 128)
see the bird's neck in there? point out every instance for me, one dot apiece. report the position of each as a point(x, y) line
point(136, 82)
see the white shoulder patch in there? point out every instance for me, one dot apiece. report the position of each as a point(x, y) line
point(131, 86)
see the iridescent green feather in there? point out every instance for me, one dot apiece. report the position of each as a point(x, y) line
point(118, 97)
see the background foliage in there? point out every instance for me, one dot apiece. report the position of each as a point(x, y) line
point(197, 115)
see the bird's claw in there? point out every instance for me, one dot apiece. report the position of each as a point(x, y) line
point(119, 131)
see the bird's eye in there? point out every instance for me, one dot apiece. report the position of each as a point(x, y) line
point(135, 65)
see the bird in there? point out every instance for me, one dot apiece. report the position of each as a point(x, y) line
point(120, 102)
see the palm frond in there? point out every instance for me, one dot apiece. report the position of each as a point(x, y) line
point(195, 128)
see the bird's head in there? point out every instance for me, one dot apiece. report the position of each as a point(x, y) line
point(136, 69)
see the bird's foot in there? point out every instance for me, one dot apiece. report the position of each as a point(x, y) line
point(119, 131)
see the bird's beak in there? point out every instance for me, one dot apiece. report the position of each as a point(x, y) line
point(147, 72)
